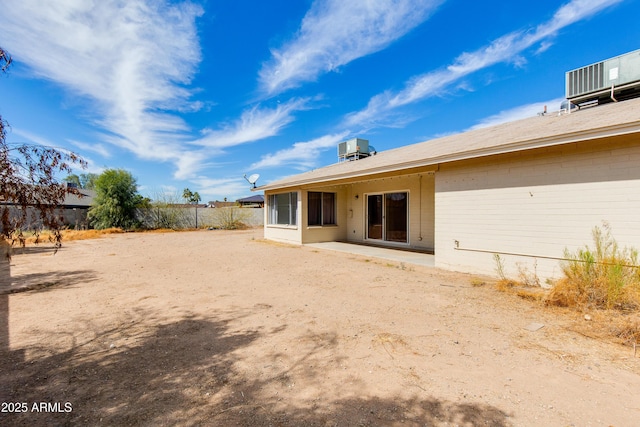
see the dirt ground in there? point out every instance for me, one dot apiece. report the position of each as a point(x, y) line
point(223, 328)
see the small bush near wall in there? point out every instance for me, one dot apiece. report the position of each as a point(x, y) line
point(232, 218)
point(604, 276)
point(180, 218)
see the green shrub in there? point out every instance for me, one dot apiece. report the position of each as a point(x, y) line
point(605, 276)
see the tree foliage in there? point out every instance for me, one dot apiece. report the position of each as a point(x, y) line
point(29, 186)
point(167, 211)
point(5, 60)
point(191, 197)
point(86, 181)
point(116, 200)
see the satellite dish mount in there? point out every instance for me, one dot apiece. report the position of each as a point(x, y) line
point(252, 179)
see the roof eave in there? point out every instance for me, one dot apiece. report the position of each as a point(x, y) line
point(568, 138)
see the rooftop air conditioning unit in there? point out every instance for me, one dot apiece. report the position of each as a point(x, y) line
point(605, 80)
point(353, 149)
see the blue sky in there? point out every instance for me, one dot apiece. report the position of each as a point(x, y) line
point(197, 94)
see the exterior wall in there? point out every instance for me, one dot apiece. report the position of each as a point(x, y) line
point(302, 232)
point(185, 217)
point(283, 233)
point(351, 211)
point(325, 233)
point(536, 203)
point(421, 207)
point(74, 218)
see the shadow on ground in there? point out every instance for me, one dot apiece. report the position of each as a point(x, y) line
point(42, 248)
point(187, 373)
point(42, 281)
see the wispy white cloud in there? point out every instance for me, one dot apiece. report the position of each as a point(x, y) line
point(519, 112)
point(131, 59)
point(254, 124)
point(95, 148)
point(302, 155)
point(212, 189)
point(336, 32)
point(189, 162)
point(507, 48)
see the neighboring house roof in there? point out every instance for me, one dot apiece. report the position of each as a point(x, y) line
point(82, 201)
point(219, 204)
point(259, 198)
point(186, 205)
point(535, 132)
point(75, 201)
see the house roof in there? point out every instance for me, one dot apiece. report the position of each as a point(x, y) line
point(535, 132)
point(74, 201)
point(258, 198)
point(82, 201)
point(219, 204)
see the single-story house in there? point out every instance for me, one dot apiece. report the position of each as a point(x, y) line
point(256, 201)
point(525, 190)
point(219, 204)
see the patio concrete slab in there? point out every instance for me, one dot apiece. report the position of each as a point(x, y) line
point(397, 255)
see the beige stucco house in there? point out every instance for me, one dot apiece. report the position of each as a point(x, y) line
point(525, 190)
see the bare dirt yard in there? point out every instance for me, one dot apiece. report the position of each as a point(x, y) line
point(219, 328)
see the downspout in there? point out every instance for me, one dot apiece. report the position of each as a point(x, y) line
point(612, 97)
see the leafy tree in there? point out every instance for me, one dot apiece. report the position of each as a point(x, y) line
point(86, 181)
point(191, 197)
point(29, 184)
point(116, 200)
point(73, 179)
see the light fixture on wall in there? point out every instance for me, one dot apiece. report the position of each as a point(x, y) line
point(357, 196)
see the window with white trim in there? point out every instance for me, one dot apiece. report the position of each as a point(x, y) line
point(283, 208)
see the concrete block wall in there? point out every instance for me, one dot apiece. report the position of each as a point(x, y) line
point(536, 203)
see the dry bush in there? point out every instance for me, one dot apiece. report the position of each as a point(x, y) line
point(627, 329)
point(610, 325)
point(232, 218)
point(603, 277)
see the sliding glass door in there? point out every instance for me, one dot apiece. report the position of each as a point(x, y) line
point(374, 216)
point(387, 216)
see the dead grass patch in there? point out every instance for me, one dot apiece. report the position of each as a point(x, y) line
point(278, 244)
point(476, 282)
point(609, 325)
point(521, 290)
point(68, 235)
point(613, 325)
point(391, 343)
point(72, 235)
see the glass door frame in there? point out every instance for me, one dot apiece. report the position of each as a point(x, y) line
point(383, 218)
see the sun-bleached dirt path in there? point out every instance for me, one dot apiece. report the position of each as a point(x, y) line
point(224, 328)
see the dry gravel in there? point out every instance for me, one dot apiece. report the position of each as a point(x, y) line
point(224, 328)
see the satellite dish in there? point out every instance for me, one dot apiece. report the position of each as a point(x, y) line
point(252, 179)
